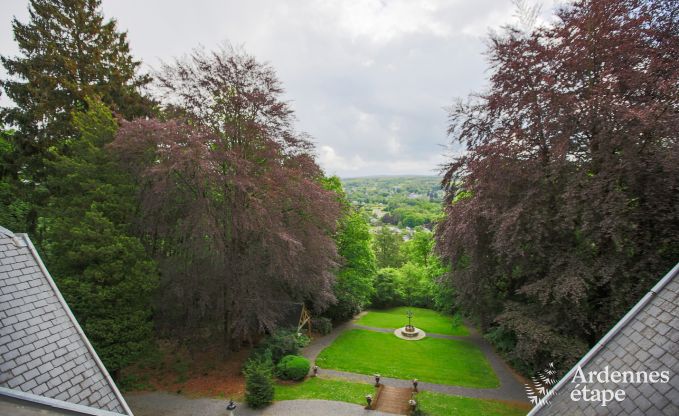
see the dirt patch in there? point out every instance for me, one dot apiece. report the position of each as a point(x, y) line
point(175, 369)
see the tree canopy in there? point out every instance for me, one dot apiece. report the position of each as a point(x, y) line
point(232, 203)
point(102, 269)
point(563, 211)
point(67, 52)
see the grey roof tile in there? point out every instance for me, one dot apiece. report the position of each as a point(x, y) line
point(43, 350)
point(649, 342)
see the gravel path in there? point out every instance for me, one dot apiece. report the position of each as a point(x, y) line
point(511, 388)
point(166, 404)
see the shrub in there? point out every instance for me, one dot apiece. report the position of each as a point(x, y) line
point(259, 390)
point(293, 367)
point(322, 325)
point(281, 343)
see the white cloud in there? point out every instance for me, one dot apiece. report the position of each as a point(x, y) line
point(393, 145)
point(382, 21)
point(367, 78)
point(480, 26)
point(334, 163)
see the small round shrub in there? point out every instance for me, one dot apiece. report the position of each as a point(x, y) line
point(293, 367)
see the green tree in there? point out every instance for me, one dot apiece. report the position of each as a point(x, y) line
point(414, 285)
point(387, 248)
point(388, 290)
point(419, 248)
point(103, 272)
point(354, 286)
point(14, 207)
point(67, 52)
point(423, 277)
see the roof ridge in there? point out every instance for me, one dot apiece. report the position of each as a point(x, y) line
point(6, 232)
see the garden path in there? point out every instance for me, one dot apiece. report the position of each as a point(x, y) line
point(167, 404)
point(511, 387)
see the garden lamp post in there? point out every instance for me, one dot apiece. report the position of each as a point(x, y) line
point(315, 370)
point(377, 380)
point(231, 407)
point(369, 399)
point(415, 383)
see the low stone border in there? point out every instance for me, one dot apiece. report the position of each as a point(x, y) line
point(421, 334)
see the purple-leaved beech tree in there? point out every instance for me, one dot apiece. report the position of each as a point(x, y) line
point(564, 210)
point(231, 200)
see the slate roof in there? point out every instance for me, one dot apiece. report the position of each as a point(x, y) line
point(43, 351)
point(646, 339)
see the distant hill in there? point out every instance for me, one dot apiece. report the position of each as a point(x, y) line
point(380, 189)
point(404, 201)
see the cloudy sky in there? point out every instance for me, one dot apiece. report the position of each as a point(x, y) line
point(368, 79)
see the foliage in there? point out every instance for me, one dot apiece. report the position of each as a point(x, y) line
point(259, 386)
point(438, 404)
point(316, 388)
point(322, 325)
point(353, 288)
point(419, 249)
point(280, 343)
point(67, 53)
point(387, 247)
point(429, 321)
point(420, 281)
point(133, 382)
point(434, 360)
point(14, 206)
point(292, 367)
point(423, 276)
point(410, 212)
point(570, 206)
point(232, 203)
point(387, 285)
point(103, 272)
point(415, 285)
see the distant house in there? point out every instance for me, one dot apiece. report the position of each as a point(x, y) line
point(643, 345)
point(47, 365)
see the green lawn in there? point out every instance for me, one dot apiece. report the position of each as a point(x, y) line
point(437, 404)
point(324, 389)
point(425, 319)
point(443, 361)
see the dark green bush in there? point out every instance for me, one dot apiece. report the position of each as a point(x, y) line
point(279, 344)
point(293, 367)
point(259, 390)
point(346, 307)
point(322, 325)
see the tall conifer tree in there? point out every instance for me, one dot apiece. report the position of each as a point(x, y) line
point(67, 52)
